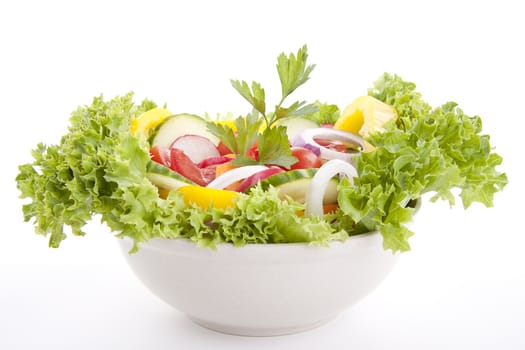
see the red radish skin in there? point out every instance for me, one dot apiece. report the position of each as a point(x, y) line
point(196, 147)
point(261, 175)
point(214, 161)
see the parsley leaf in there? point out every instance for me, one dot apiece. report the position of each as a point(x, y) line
point(239, 141)
point(297, 109)
point(293, 71)
point(255, 95)
point(247, 131)
point(274, 147)
point(225, 134)
point(273, 144)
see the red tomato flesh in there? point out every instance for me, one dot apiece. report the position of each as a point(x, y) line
point(305, 158)
point(223, 149)
point(183, 165)
point(160, 155)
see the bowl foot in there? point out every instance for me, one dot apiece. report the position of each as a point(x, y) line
point(259, 331)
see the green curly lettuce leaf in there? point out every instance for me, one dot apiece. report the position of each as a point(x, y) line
point(325, 114)
point(426, 150)
point(99, 168)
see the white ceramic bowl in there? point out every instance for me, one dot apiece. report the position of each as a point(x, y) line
point(261, 289)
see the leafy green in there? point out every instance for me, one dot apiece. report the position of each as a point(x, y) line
point(427, 150)
point(293, 72)
point(255, 95)
point(273, 144)
point(325, 114)
point(262, 217)
point(238, 142)
point(98, 170)
point(274, 147)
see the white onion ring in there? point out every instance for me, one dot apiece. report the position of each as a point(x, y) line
point(308, 137)
point(235, 175)
point(319, 183)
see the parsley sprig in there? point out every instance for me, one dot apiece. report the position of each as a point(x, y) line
point(272, 141)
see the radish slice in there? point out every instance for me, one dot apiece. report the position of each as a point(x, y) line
point(317, 188)
point(261, 175)
point(235, 175)
point(307, 137)
point(196, 147)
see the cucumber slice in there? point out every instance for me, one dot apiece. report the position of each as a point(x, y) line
point(165, 178)
point(295, 183)
point(178, 125)
point(296, 125)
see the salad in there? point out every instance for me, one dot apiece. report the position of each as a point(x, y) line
point(298, 172)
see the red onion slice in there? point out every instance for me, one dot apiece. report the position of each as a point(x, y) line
point(308, 136)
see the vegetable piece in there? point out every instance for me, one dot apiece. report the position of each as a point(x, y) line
point(224, 167)
point(206, 198)
point(327, 114)
point(365, 115)
point(255, 178)
point(161, 155)
point(99, 168)
point(305, 158)
point(252, 147)
point(294, 184)
point(316, 190)
point(293, 72)
point(240, 137)
point(165, 178)
point(148, 120)
point(311, 135)
point(179, 125)
point(331, 144)
point(296, 125)
point(223, 149)
point(196, 147)
point(183, 165)
point(273, 148)
point(235, 175)
point(213, 161)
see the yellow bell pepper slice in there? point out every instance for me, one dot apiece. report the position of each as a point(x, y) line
point(208, 197)
point(364, 115)
point(148, 120)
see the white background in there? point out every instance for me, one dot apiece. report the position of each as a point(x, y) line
point(461, 287)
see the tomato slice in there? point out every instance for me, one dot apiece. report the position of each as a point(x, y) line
point(183, 165)
point(223, 149)
point(160, 155)
point(253, 151)
point(306, 158)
